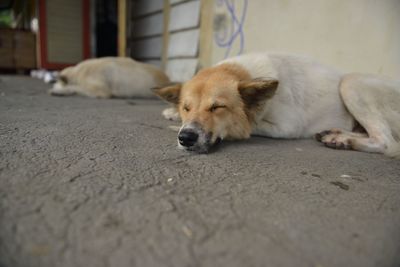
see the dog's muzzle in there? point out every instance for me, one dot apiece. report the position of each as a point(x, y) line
point(193, 138)
point(188, 138)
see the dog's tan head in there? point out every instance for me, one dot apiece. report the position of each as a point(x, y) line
point(217, 103)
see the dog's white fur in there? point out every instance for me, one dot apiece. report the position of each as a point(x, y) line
point(313, 98)
point(307, 100)
point(109, 77)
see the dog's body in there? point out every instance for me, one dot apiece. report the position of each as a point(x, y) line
point(109, 77)
point(310, 99)
point(307, 100)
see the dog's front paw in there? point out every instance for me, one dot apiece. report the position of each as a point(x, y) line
point(335, 139)
point(171, 114)
point(55, 92)
point(321, 135)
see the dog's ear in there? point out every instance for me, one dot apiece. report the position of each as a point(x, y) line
point(63, 79)
point(255, 92)
point(169, 93)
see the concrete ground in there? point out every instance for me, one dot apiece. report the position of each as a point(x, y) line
point(86, 182)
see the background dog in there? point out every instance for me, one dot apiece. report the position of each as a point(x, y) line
point(286, 96)
point(109, 77)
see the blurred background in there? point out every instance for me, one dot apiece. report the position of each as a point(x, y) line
point(182, 36)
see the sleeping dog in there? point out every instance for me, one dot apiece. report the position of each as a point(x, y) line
point(109, 77)
point(286, 96)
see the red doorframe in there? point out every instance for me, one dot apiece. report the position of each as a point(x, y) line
point(44, 60)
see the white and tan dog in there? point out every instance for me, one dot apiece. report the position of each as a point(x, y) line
point(286, 96)
point(109, 77)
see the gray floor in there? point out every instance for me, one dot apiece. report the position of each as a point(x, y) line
point(87, 182)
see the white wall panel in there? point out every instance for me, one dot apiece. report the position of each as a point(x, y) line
point(147, 48)
point(184, 44)
point(183, 16)
point(180, 70)
point(144, 7)
point(148, 26)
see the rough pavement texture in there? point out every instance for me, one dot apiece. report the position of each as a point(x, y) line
point(87, 182)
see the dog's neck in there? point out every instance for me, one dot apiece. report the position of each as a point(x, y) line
point(228, 71)
point(256, 67)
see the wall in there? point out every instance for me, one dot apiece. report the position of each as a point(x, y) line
point(353, 35)
point(166, 33)
point(183, 30)
point(146, 36)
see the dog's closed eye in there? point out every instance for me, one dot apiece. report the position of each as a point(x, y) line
point(214, 107)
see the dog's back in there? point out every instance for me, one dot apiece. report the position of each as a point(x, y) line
point(307, 99)
point(110, 77)
point(129, 78)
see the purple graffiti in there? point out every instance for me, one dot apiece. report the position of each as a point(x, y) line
point(226, 38)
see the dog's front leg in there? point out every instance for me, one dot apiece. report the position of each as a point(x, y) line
point(341, 139)
point(63, 90)
point(171, 114)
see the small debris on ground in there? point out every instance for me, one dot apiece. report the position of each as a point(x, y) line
point(187, 231)
point(341, 185)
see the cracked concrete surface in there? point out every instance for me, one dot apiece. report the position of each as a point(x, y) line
point(87, 182)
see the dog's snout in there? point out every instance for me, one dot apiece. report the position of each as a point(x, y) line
point(188, 137)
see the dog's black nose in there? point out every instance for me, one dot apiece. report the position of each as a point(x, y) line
point(187, 138)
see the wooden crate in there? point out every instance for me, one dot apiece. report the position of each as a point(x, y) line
point(17, 49)
point(24, 50)
point(6, 49)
